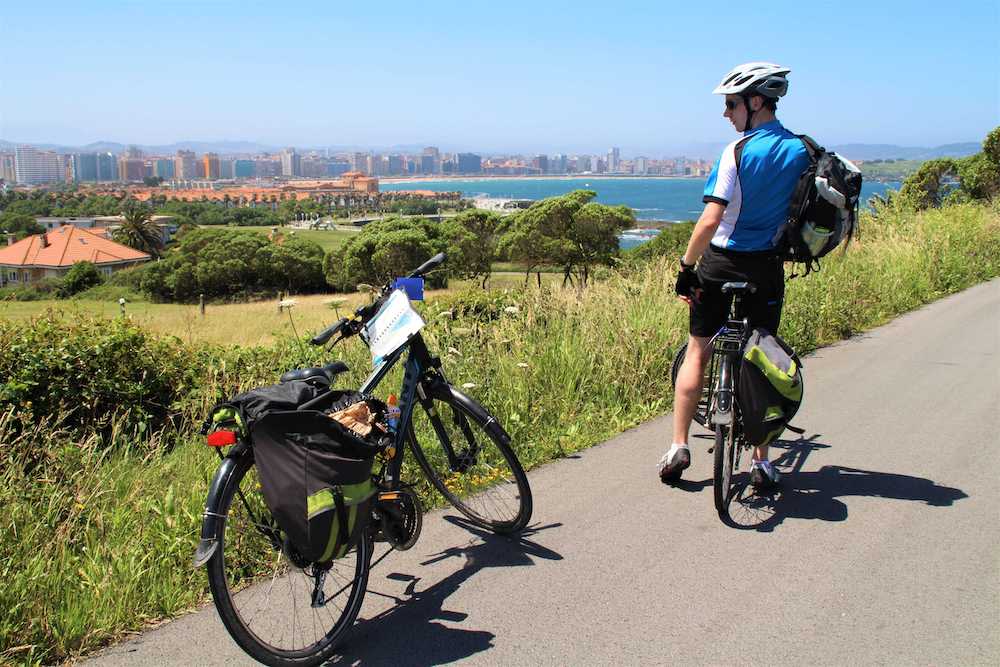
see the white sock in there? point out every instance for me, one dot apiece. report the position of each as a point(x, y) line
point(674, 448)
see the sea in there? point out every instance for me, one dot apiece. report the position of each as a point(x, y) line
point(652, 199)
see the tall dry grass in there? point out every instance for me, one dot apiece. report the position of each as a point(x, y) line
point(98, 530)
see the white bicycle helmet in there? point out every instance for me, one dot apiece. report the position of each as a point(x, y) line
point(765, 79)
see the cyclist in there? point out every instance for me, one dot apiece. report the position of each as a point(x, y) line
point(747, 197)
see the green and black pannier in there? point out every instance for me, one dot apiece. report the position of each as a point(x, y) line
point(770, 390)
point(315, 473)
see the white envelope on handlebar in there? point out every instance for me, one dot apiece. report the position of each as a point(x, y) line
point(394, 324)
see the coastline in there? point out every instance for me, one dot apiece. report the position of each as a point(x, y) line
point(539, 177)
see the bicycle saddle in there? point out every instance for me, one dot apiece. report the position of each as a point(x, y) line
point(323, 374)
point(738, 288)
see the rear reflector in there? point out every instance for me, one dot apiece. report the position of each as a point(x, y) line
point(221, 438)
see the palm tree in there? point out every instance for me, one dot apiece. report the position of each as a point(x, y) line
point(138, 229)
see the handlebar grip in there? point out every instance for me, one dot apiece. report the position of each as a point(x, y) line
point(323, 337)
point(428, 265)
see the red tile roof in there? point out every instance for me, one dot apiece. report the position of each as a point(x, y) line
point(67, 246)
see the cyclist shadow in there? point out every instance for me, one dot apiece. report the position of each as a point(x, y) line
point(409, 632)
point(817, 494)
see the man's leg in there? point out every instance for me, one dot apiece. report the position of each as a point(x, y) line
point(687, 392)
point(690, 379)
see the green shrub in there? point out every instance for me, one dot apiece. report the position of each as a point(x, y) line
point(46, 288)
point(81, 276)
point(106, 517)
point(671, 242)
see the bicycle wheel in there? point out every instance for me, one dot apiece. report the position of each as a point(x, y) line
point(675, 368)
point(264, 598)
point(723, 456)
point(486, 483)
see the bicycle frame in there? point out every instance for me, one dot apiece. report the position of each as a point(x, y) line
point(725, 367)
point(420, 369)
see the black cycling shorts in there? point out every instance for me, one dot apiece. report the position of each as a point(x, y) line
point(763, 308)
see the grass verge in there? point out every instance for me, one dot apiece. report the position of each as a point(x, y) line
point(99, 528)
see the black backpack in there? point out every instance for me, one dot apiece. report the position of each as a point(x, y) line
point(823, 208)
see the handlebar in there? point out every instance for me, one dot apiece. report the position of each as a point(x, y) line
point(324, 336)
point(426, 267)
point(349, 328)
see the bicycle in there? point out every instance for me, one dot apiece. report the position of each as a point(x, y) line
point(719, 406)
point(471, 464)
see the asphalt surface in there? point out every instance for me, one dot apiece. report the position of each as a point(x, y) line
point(882, 549)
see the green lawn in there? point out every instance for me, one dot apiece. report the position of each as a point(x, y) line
point(327, 239)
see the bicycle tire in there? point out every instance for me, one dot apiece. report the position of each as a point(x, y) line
point(722, 469)
point(484, 485)
point(234, 579)
point(675, 368)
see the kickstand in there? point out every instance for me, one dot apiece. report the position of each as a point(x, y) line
point(318, 598)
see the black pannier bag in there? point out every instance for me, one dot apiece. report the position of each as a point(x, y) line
point(770, 387)
point(315, 473)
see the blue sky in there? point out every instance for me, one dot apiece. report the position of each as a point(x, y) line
point(516, 76)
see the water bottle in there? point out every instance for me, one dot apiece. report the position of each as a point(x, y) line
point(392, 413)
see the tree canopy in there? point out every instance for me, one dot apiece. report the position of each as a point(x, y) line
point(569, 231)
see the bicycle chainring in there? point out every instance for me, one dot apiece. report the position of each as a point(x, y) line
point(401, 519)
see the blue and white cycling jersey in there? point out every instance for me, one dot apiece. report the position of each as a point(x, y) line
point(754, 179)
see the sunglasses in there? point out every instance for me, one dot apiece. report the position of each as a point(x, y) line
point(730, 105)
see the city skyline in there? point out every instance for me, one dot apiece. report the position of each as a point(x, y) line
point(28, 165)
point(530, 78)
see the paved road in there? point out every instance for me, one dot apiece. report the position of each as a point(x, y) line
point(883, 550)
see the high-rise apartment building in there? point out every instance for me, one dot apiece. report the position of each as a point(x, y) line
point(185, 165)
point(211, 162)
point(291, 163)
point(614, 160)
point(427, 165)
point(244, 169)
point(7, 171)
point(107, 167)
point(133, 153)
point(641, 166)
point(227, 168)
point(33, 167)
point(164, 168)
point(84, 167)
point(359, 162)
point(395, 165)
point(541, 163)
point(131, 169)
point(435, 160)
point(469, 163)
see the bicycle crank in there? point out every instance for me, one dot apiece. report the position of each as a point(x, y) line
point(401, 517)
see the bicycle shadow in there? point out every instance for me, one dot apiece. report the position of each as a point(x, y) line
point(408, 632)
point(816, 495)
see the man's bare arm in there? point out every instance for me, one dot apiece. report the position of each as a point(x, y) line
point(703, 232)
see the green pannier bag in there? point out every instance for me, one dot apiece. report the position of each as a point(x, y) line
point(770, 387)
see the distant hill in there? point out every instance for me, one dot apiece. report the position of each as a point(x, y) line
point(705, 150)
point(893, 152)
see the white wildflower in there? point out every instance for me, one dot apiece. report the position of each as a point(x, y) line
point(468, 385)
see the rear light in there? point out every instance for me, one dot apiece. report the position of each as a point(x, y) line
point(221, 438)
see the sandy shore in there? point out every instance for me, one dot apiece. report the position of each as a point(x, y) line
point(561, 177)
